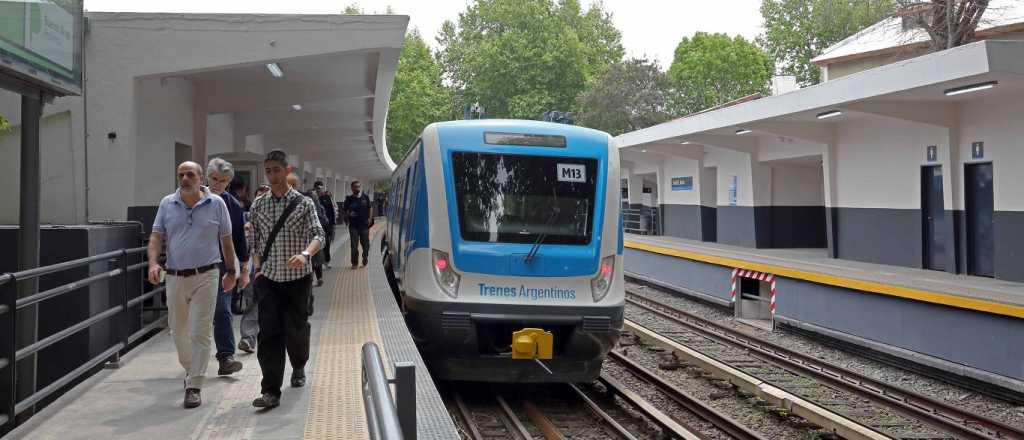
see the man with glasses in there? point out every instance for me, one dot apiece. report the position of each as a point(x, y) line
point(357, 215)
point(197, 228)
point(219, 173)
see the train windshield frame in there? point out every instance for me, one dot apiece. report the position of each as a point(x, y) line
point(515, 198)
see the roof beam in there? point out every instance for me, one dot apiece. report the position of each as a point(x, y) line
point(940, 114)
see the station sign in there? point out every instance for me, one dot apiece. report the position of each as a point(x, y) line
point(682, 183)
point(41, 44)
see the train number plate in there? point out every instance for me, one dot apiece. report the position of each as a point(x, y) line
point(570, 172)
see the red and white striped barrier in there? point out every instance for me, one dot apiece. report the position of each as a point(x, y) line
point(753, 274)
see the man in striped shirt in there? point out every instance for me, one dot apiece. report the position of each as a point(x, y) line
point(283, 282)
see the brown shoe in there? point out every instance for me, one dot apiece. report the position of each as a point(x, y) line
point(267, 401)
point(228, 366)
point(192, 398)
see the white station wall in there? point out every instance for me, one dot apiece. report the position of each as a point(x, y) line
point(61, 181)
point(999, 123)
point(674, 167)
point(165, 117)
point(878, 162)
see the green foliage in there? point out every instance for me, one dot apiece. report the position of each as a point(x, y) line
point(5, 125)
point(796, 31)
point(353, 9)
point(418, 98)
point(519, 58)
point(713, 69)
point(631, 95)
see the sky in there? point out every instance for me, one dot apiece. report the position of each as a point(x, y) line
point(649, 28)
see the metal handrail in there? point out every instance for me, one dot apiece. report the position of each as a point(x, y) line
point(384, 419)
point(9, 304)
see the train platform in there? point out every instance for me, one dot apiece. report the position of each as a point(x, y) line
point(962, 291)
point(954, 325)
point(143, 398)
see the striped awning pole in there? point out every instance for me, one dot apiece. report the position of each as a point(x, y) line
point(732, 293)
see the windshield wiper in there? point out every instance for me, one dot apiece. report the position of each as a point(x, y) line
point(540, 238)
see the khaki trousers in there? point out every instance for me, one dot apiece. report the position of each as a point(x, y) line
point(190, 305)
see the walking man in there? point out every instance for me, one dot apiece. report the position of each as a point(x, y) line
point(357, 214)
point(286, 234)
point(197, 227)
point(219, 173)
point(327, 201)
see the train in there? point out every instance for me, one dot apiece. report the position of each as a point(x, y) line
point(496, 226)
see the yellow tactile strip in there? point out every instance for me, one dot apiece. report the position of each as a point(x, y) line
point(336, 404)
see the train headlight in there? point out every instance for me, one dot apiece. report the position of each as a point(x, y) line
point(600, 284)
point(444, 274)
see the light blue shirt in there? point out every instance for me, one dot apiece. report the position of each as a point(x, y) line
point(192, 234)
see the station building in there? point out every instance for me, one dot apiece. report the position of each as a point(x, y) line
point(164, 88)
point(902, 169)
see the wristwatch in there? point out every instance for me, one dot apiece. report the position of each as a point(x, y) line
point(305, 254)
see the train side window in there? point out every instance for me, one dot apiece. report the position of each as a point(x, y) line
point(402, 211)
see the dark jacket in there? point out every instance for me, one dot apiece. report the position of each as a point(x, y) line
point(357, 211)
point(328, 204)
point(235, 211)
point(320, 213)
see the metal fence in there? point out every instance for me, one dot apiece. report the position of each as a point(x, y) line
point(123, 321)
point(385, 419)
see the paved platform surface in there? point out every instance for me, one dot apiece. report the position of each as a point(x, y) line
point(143, 399)
point(1002, 297)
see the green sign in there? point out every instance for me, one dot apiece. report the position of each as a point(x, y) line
point(41, 43)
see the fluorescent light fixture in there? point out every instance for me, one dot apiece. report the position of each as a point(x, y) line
point(971, 88)
point(296, 107)
point(742, 131)
point(643, 151)
point(685, 143)
point(275, 70)
point(829, 114)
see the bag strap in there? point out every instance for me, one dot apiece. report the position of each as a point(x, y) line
point(280, 223)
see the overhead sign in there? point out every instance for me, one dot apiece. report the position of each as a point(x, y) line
point(41, 44)
point(682, 183)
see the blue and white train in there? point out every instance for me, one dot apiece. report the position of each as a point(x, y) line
point(499, 225)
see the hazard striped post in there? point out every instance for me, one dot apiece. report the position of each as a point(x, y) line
point(732, 293)
point(772, 279)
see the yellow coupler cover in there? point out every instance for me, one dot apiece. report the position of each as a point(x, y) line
point(532, 343)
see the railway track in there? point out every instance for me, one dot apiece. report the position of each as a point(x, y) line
point(882, 408)
point(551, 412)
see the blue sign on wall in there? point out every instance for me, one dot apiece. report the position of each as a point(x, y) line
point(732, 190)
point(682, 183)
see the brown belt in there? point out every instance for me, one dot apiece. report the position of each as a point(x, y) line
point(193, 271)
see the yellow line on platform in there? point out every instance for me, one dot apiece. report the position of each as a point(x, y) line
point(832, 280)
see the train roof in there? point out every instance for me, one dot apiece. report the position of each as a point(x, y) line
point(479, 126)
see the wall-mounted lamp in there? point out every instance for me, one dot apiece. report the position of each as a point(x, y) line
point(112, 136)
point(829, 114)
point(971, 88)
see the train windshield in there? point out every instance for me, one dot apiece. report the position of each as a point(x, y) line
point(506, 198)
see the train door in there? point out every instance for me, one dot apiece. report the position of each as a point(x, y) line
point(404, 207)
point(980, 219)
point(932, 218)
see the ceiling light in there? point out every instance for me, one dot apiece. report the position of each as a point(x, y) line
point(742, 131)
point(275, 70)
point(829, 114)
point(971, 88)
point(296, 107)
point(685, 143)
point(643, 151)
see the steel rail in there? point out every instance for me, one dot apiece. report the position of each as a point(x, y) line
point(467, 417)
point(667, 424)
point(604, 416)
point(512, 417)
point(721, 421)
point(944, 416)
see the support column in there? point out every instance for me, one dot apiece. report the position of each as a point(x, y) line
point(28, 239)
point(828, 165)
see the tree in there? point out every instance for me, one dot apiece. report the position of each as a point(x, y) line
point(353, 9)
point(796, 31)
point(519, 58)
point(713, 69)
point(949, 23)
point(418, 98)
point(631, 95)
